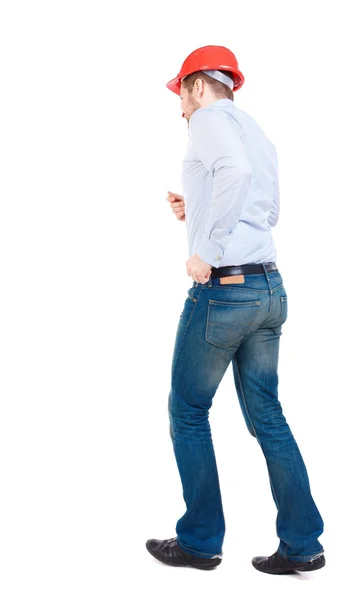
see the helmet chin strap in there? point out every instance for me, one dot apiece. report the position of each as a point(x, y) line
point(220, 77)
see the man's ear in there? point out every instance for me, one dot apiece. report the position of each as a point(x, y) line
point(199, 83)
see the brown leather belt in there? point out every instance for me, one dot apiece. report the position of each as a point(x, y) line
point(248, 269)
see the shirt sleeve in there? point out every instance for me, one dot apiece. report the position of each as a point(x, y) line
point(218, 144)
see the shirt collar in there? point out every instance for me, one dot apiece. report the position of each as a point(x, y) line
point(221, 102)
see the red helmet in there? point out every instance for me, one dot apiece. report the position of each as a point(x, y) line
point(208, 58)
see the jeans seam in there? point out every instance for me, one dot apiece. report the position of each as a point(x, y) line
point(185, 330)
point(243, 396)
point(247, 412)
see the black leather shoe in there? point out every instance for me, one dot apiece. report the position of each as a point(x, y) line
point(278, 564)
point(169, 552)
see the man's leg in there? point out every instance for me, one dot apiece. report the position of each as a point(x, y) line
point(255, 368)
point(197, 370)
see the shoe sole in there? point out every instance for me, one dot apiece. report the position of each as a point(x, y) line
point(314, 567)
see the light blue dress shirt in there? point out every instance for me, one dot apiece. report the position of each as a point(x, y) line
point(230, 187)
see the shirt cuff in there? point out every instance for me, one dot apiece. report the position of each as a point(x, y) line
point(209, 252)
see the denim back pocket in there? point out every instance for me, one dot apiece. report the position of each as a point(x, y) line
point(229, 322)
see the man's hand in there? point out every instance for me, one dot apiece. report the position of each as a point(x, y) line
point(198, 269)
point(178, 205)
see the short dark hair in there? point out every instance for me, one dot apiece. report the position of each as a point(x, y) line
point(220, 89)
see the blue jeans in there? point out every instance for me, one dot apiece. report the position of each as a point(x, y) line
point(238, 323)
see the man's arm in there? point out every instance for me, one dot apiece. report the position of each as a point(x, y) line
point(218, 145)
point(275, 208)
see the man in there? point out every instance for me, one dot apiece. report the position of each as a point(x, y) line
point(233, 313)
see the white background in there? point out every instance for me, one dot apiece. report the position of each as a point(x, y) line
point(93, 280)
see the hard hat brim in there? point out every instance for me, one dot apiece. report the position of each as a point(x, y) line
point(174, 85)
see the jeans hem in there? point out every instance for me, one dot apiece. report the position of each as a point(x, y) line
point(303, 558)
point(196, 553)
